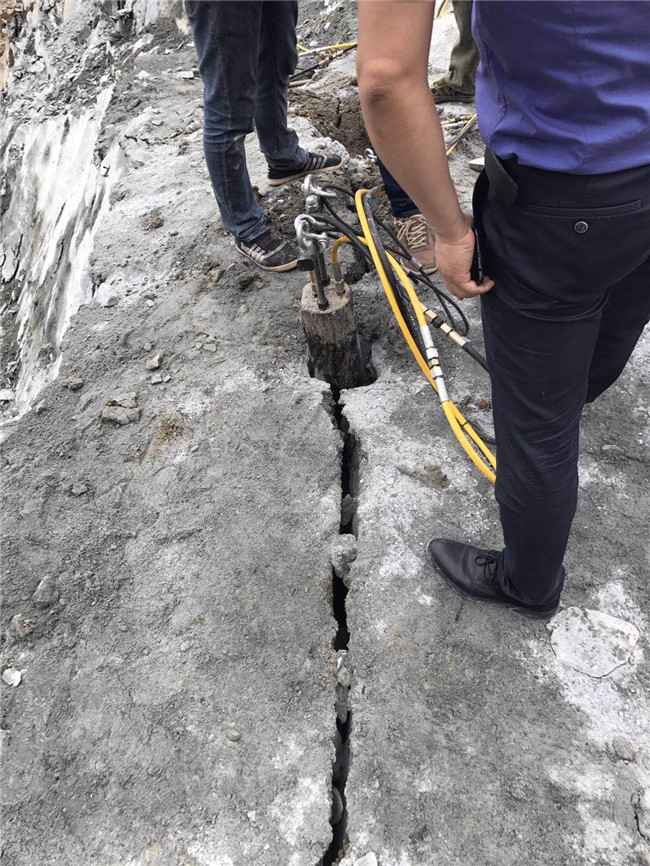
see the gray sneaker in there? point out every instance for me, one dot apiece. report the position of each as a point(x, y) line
point(269, 252)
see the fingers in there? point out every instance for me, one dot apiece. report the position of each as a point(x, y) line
point(468, 288)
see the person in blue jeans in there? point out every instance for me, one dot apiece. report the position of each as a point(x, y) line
point(247, 53)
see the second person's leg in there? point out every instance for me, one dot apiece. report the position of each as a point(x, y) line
point(410, 226)
point(227, 39)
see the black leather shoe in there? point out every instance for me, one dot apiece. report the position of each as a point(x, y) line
point(472, 573)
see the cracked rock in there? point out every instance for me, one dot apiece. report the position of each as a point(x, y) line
point(344, 552)
point(46, 593)
point(591, 642)
point(641, 804)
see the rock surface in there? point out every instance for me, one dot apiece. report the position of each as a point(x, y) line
point(187, 697)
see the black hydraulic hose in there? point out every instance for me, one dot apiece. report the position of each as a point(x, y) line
point(342, 227)
point(332, 218)
point(472, 352)
point(402, 300)
point(423, 277)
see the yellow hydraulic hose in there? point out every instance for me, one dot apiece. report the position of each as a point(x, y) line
point(461, 133)
point(457, 422)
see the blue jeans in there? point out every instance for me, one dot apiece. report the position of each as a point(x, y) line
point(400, 203)
point(247, 53)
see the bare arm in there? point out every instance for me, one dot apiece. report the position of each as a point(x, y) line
point(403, 124)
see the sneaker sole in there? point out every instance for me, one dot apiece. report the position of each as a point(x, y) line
point(287, 266)
point(515, 608)
point(466, 100)
point(280, 180)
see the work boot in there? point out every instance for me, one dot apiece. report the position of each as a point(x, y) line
point(442, 91)
point(318, 163)
point(269, 252)
point(414, 233)
point(472, 573)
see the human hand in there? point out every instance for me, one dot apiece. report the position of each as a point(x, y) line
point(454, 260)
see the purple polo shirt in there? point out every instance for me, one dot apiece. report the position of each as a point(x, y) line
point(565, 86)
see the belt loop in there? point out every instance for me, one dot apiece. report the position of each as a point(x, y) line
point(504, 186)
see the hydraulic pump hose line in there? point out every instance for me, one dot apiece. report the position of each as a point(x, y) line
point(463, 132)
point(430, 315)
point(385, 262)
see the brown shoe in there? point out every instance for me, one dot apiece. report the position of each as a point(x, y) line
point(414, 233)
point(443, 92)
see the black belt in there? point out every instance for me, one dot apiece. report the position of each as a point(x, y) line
point(501, 183)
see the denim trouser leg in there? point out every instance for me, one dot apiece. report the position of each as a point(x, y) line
point(244, 80)
point(277, 62)
point(400, 203)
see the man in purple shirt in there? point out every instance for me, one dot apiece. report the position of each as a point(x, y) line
point(563, 211)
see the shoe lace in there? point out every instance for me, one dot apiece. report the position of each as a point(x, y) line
point(414, 232)
point(489, 561)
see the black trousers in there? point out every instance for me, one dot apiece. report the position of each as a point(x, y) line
point(571, 261)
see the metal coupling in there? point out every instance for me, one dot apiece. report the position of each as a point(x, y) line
point(339, 282)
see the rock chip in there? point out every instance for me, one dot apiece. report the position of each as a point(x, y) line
point(120, 415)
point(78, 489)
point(6, 395)
point(344, 552)
point(74, 383)
point(19, 627)
point(11, 676)
point(129, 401)
point(122, 409)
point(234, 736)
point(591, 642)
point(154, 363)
point(46, 593)
point(622, 749)
point(155, 221)
point(368, 859)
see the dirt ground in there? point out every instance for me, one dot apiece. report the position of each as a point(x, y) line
point(221, 642)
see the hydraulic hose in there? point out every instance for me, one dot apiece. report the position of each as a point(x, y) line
point(384, 262)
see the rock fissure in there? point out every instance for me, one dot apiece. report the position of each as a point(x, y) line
point(340, 767)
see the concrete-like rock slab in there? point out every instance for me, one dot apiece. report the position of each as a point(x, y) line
point(471, 742)
point(592, 642)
